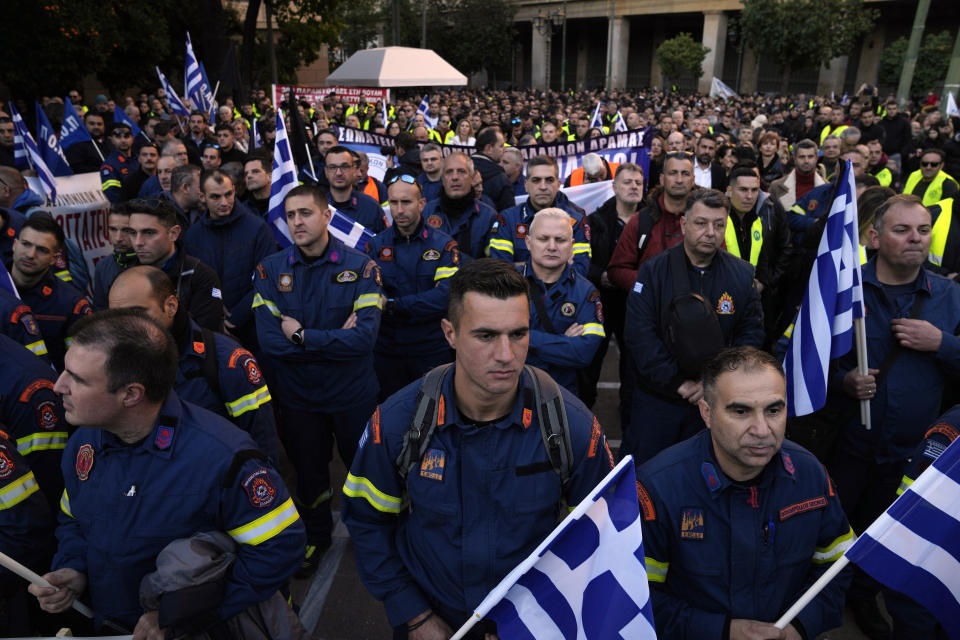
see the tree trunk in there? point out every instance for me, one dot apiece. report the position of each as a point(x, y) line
point(249, 43)
point(785, 80)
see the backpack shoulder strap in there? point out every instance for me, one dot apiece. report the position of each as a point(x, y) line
point(645, 224)
point(554, 426)
point(424, 422)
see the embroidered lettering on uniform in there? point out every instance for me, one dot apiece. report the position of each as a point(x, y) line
point(262, 272)
point(568, 309)
point(6, 464)
point(435, 221)
point(259, 488)
point(521, 231)
point(164, 438)
point(646, 504)
point(235, 356)
point(433, 464)
point(375, 425)
point(691, 524)
point(596, 433)
point(285, 283)
point(33, 387)
point(725, 305)
point(386, 254)
point(84, 462)
point(46, 415)
point(346, 276)
point(431, 254)
point(802, 507)
point(945, 428)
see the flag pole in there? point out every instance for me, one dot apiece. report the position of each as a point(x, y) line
point(34, 578)
point(860, 334)
point(812, 592)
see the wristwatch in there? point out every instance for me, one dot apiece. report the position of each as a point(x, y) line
point(297, 337)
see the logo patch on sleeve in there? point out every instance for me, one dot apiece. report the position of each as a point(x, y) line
point(253, 371)
point(260, 488)
point(24, 317)
point(46, 415)
point(802, 507)
point(386, 254)
point(84, 462)
point(433, 464)
point(431, 254)
point(691, 524)
point(285, 283)
point(6, 464)
point(346, 276)
point(521, 231)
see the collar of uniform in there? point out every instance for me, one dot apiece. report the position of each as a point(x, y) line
point(161, 439)
point(526, 269)
point(869, 275)
point(422, 231)
point(515, 418)
point(332, 254)
point(717, 481)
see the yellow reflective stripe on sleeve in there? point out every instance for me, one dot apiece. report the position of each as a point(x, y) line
point(267, 526)
point(656, 570)
point(594, 329)
point(357, 487)
point(905, 483)
point(109, 184)
point(797, 209)
point(444, 272)
point(65, 503)
point(41, 441)
point(788, 331)
point(835, 549)
point(18, 491)
point(501, 245)
point(323, 497)
point(368, 300)
point(38, 348)
point(64, 275)
point(260, 301)
point(249, 402)
point(581, 247)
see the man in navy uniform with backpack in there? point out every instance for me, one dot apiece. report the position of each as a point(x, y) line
point(466, 446)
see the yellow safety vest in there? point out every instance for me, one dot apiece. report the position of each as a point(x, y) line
point(756, 239)
point(863, 254)
point(934, 192)
point(940, 231)
point(884, 177)
point(827, 132)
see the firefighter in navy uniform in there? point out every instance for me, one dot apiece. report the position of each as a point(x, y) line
point(145, 469)
point(120, 163)
point(416, 262)
point(737, 521)
point(19, 323)
point(214, 371)
point(566, 315)
point(317, 307)
point(56, 305)
point(467, 526)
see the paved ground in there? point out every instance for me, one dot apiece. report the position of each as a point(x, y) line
point(334, 605)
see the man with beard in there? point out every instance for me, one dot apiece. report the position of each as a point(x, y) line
point(457, 212)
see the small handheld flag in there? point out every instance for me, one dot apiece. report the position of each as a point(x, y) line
point(424, 109)
point(173, 100)
point(25, 141)
point(596, 120)
point(284, 178)
point(50, 146)
point(619, 124)
point(72, 130)
point(120, 116)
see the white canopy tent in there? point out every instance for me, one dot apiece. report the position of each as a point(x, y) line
point(396, 67)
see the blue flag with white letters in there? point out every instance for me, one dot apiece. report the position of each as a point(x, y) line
point(49, 145)
point(120, 116)
point(72, 130)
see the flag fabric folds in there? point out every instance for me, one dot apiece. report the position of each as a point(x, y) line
point(834, 298)
point(120, 116)
point(619, 124)
point(952, 109)
point(25, 144)
point(349, 232)
point(587, 579)
point(6, 281)
point(424, 108)
point(173, 100)
point(718, 88)
point(72, 129)
point(196, 86)
point(50, 146)
point(914, 547)
point(284, 178)
point(596, 120)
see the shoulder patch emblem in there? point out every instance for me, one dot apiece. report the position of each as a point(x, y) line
point(6, 465)
point(33, 387)
point(46, 415)
point(646, 503)
point(521, 231)
point(386, 253)
point(812, 205)
point(253, 371)
point(691, 524)
point(259, 488)
point(802, 507)
point(435, 221)
point(568, 309)
point(164, 438)
point(199, 347)
point(725, 305)
point(285, 283)
point(433, 464)
point(261, 272)
point(346, 276)
point(431, 254)
point(84, 462)
point(25, 317)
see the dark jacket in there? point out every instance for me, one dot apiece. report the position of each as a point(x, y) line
point(495, 182)
point(896, 135)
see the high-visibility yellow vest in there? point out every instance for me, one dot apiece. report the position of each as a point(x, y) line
point(940, 231)
point(827, 132)
point(934, 192)
point(756, 239)
point(863, 255)
point(884, 177)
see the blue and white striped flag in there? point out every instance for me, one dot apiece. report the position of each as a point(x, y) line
point(424, 108)
point(383, 113)
point(173, 100)
point(284, 178)
point(596, 120)
point(823, 329)
point(23, 138)
point(72, 129)
point(587, 579)
point(914, 547)
point(50, 145)
point(257, 143)
point(196, 88)
point(348, 231)
point(619, 124)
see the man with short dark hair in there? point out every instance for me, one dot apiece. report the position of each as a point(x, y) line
point(669, 389)
point(88, 156)
point(6, 142)
point(706, 173)
point(431, 159)
point(734, 502)
point(145, 469)
point(340, 167)
point(258, 173)
point(56, 304)
point(147, 158)
point(185, 194)
point(487, 161)
point(123, 257)
point(227, 143)
point(210, 158)
point(802, 179)
point(196, 137)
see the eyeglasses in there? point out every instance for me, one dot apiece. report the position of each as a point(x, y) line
point(335, 168)
point(930, 164)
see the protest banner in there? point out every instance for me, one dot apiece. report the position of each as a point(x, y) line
point(313, 95)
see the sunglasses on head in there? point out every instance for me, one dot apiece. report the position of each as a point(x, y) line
point(404, 177)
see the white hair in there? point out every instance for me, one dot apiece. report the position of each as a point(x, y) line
point(592, 164)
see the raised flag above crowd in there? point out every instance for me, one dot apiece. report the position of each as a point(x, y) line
point(173, 100)
point(24, 144)
point(50, 145)
point(72, 130)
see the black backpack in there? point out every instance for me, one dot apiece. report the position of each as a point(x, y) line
point(551, 414)
point(693, 333)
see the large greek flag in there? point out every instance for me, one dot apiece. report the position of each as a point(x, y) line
point(173, 100)
point(914, 547)
point(587, 579)
point(23, 143)
point(824, 326)
point(197, 87)
point(284, 178)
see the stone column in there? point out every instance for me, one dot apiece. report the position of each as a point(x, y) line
point(831, 79)
point(582, 48)
point(619, 50)
point(538, 60)
point(714, 38)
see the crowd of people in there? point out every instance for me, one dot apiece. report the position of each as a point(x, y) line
point(156, 398)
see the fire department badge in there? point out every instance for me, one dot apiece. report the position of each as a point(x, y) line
point(431, 254)
point(6, 464)
point(346, 276)
point(435, 221)
point(259, 488)
point(725, 305)
point(285, 282)
point(84, 462)
point(521, 231)
point(568, 309)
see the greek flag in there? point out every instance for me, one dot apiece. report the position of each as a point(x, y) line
point(257, 143)
point(24, 143)
point(952, 109)
point(197, 88)
point(587, 579)
point(120, 116)
point(284, 178)
point(349, 232)
point(718, 88)
point(619, 124)
point(383, 109)
point(424, 108)
point(50, 145)
point(824, 326)
point(914, 547)
point(173, 100)
point(72, 129)
point(596, 120)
